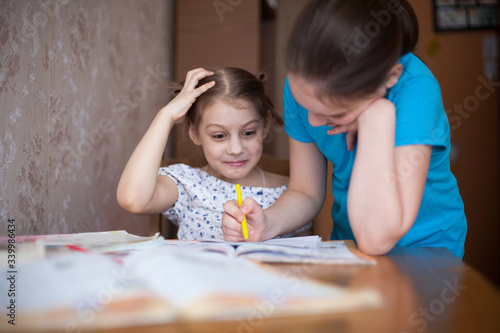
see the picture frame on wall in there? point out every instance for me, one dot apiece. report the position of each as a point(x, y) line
point(452, 15)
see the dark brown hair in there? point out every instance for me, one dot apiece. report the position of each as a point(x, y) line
point(348, 47)
point(237, 87)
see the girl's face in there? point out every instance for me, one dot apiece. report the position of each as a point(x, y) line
point(330, 112)
point(231, 139)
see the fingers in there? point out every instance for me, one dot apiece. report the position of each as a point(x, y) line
point(231, 232)
point(194, 76)
point(336, 130)
point(200, 90)
point(189, 93)
point(233, 216)
point(351, 138)
point(231, 227)
point(190, 89)
point(248, 206)
point(231, 208)
point(232, 236)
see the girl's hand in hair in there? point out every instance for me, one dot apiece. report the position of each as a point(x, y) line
point(178, 107)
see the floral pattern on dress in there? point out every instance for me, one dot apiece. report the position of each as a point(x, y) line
point(199, 207)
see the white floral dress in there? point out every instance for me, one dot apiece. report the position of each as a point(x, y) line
point(199, 207)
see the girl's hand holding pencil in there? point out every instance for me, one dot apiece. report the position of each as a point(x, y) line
point(233, 217)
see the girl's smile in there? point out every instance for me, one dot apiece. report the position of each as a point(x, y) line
point(236, 164)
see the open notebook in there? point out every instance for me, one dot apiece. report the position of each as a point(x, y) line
point(164, 284)
point(307, 249)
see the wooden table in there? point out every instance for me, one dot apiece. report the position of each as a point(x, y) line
point(424, 290)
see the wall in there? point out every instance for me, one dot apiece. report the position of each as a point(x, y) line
point(456, 59)
point(213, 34)
point(80, 82)
point(287, 13)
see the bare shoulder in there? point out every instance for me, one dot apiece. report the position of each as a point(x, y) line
point(275, 180)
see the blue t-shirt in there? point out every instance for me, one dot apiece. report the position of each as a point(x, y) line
point(420, 119)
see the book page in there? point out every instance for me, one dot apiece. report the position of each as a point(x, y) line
point(206, 285)
point(278, 251)
point(302, 242)
point(105, 241)
point(81, 290)
point(223, 248)
point(331, 252)
point(309, 242)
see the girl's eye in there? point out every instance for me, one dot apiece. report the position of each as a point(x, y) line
point(218, 136)
point(249, 133)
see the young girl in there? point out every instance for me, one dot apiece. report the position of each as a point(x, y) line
point(228, 115)
point(357, 96)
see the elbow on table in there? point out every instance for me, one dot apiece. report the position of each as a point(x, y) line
point(374, 247)
point(377, 233)
point(376, 242)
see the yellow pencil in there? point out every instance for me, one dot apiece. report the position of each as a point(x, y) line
point(244, 222)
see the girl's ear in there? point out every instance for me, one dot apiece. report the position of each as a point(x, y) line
point(193, 134)
point(394, 75)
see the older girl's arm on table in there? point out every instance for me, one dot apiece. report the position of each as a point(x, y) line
point(387, 183)
point(140, 189)
point(300, 203)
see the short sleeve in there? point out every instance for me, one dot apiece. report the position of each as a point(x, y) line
point(420, 115)
point(175, 172)
point(293, 116)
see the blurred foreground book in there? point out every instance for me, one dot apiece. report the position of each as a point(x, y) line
point(76, 290)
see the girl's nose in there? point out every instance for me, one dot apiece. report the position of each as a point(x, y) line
point(234, 146)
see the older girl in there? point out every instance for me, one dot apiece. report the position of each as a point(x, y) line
point(357, 96)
